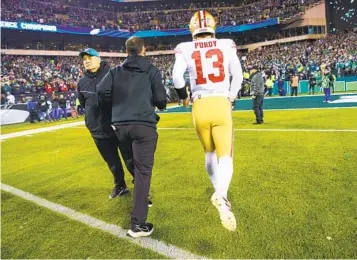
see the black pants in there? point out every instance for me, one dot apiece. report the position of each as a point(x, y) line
point(270, 91)
point(312, 88)
point(139, 142)
point(294, 91)
point(108, 148)
point(258, 108)
point(34, 116)
point(332, 86)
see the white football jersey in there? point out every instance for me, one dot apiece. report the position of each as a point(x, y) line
point(210, 63)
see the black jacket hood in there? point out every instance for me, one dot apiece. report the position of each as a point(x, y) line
point(137, 63)
point(133, 89)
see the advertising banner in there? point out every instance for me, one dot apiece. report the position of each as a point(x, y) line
point(67, 29)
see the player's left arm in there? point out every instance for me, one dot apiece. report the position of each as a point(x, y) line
point(235, 69)
point(177, 75)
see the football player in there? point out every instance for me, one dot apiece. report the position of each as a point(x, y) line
point(210, 63)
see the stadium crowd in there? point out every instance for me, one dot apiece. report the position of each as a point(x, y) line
point(34, 74)
point(144, 6)
point(96, 16)
point(337, 52)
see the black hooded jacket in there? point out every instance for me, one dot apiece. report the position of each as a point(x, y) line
point(133, 89)
point(97, 118)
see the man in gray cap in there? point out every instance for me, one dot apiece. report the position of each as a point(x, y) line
point(98, 119)
point(257, 93)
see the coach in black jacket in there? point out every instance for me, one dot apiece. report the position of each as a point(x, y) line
point(133, 89)
point(98, 119)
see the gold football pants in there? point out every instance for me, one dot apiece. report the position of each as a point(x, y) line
point(212, 117)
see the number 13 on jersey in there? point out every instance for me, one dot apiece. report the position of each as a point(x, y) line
point(213, 56)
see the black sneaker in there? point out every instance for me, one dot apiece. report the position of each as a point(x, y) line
point(143, 230)
point(118, 191)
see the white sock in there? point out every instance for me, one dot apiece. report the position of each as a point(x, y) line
point(212, 167)
point(225, 172)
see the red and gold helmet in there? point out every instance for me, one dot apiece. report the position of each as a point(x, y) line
point(202, 22)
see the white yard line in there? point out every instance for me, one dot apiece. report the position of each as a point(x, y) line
point(40, 130)
point(295, 130)
point(79, 125)
point(302, 96)
point(147, 243)
point(265, 110)
point(294, 109)
point(261, 129)
point(270, 130)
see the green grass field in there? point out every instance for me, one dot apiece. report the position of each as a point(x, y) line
point(48, 235)
point(293, 193)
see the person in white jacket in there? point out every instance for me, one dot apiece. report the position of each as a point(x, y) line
point(10, 98)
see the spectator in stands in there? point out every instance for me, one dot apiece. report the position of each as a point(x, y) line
point(312, 84)
point(73, 101)
point(32, 108)
point(80, 109)
point(294, 85)
point(281, 89)
point(318, 80)
point(43, 107)
point(269, 83)
point(10, 98)
point(332, 81)
point(56, 110)
point(6, 88)
point(63, 106)
point(325, 83)
point(48, 88)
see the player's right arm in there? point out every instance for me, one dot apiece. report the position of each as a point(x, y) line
point(178, 72)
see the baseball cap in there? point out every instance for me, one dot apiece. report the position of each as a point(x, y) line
point(90, 52)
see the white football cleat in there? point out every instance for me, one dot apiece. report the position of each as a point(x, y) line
point(224, 208)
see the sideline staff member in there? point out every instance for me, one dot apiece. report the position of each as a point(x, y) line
point(257, 92)
point(98, 119)
point(134, 89)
